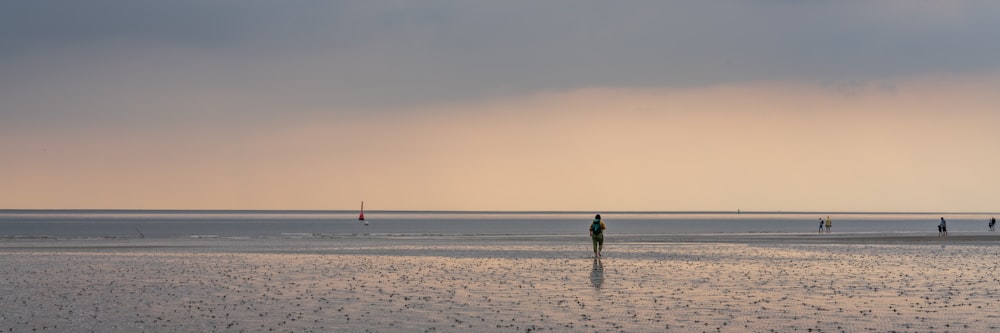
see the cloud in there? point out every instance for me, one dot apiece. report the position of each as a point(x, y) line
point(308, 55)
point(497, 105)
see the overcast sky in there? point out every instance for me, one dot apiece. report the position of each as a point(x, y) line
point(272, 104)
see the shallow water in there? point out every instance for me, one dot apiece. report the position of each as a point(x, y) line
point(297, 224)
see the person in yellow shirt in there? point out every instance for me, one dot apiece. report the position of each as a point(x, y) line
point(597, 234)
point(829, 224)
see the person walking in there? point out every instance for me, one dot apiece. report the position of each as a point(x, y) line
point(943, 228)
point(597, 234)
point(821, 225)
point(993, 223)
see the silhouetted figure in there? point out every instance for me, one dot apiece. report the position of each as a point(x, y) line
point(597, 234)
point(943, 228)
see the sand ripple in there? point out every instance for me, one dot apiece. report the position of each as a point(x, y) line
point(320, 286)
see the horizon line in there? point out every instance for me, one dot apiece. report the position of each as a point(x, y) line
point(397, 211)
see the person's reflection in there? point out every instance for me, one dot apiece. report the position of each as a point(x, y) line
point(597, 274)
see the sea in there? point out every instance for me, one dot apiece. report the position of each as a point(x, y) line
point(87, 224)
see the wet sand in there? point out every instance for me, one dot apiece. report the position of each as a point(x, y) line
point(731, 283)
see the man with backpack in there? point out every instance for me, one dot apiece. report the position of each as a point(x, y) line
point(597, 234)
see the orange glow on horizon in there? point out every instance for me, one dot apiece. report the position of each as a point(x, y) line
point(927, 144)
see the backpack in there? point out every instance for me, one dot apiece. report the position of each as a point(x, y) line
point(595, 228)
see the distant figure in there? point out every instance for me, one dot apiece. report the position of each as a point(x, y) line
point(829, 224)
point(943, 228)
point(821, 225)
point(993, 223)
point(597, 234)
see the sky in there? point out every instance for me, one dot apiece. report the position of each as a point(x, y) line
point(763, 105)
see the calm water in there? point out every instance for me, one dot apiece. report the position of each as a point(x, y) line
point(258, 224)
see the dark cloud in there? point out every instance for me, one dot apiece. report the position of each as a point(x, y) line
point(106, 57)
point(31, 25)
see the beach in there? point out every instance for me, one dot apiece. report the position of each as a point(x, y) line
point(371, 283)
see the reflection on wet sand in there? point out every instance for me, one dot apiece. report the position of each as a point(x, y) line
point(291, 285)
point(597, 274)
